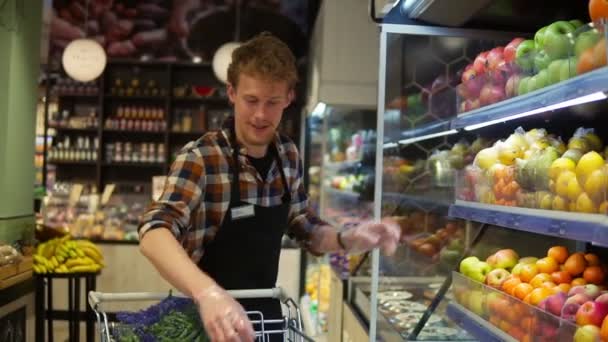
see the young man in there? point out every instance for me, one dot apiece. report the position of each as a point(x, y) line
point(232, 194)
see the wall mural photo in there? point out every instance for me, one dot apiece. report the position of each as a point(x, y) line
point(174, 30)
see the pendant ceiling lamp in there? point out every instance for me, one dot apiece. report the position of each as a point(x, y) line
point(84, 59)
point(223, 55)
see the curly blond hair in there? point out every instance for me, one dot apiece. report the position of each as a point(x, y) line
point(263, 56)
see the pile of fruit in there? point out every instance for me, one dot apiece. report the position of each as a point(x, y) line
point(569, 286)
point(449, 238)
point(537, 170)
point(64, 255)
point(558, 52)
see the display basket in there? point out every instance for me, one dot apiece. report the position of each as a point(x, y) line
point(289, 327)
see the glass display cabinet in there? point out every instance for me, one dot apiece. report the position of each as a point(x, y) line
point(490, 157)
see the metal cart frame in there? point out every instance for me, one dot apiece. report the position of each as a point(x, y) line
point(292, 328)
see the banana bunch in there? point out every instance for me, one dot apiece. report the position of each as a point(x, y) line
point(64, 255)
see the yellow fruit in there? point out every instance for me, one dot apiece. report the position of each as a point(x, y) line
point(518, 141)
point(546, 202)
point(559, 165)
point(574, 189)
point(572, 206)
point(535, 134)
point(528, 154)
point(552, 185)
point(594, 142)
point(603, 209)
point(561, 185)
point(597, 184)
point(590, 162)
point(486, 158)
point(584, 204)
point(579, 143)
point(507, 155)
point(560, 203)
point(540, 145)
point(560, 147)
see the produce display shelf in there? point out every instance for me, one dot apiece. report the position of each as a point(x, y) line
point(341, 165)
point(425, 130)
point(338, 192)
point(421, 201)
point(479, 328)
point(75, 130)
point(582, 85)
point(575, 226)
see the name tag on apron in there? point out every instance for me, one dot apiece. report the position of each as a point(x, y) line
point(242, 212)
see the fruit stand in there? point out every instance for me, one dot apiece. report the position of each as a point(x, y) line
point(490, 155)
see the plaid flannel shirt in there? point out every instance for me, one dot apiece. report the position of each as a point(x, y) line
point(196, 194)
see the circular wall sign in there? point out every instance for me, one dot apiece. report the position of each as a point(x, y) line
point(84, 59)
point(222, 59)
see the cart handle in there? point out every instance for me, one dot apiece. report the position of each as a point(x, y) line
point(95, 298)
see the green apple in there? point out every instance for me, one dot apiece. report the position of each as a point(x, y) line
point(568, 69)
point(539, 38)
point(585, 41)
point(477, 302)
point(532, 84)
point(467, 264)
point(541, 61)
point(558, 39)
point(479, 271)
point(522, 87)
point(554, 69)
point(524, 55)
point(576, 23)
point(413, 100)
point(542, 79)
point(528, 260)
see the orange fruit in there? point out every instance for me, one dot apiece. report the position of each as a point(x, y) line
point(528, 297)
point(592, 259)
point(559, 253)
point(585, 62)
point(538, 295)
point(578, 281)
point(598, 9)
point(547, 265)
point(562, 288)
point(599, 54)
point(522, 290)
point(594, 275)
point(561, 277)
point(539, 279)
point(509, 285)
point(575, 264)
point(504, 325)
point(548, 285)
point(528, 272)
point(495, 320)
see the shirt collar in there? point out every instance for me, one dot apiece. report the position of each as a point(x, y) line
point(229, 134)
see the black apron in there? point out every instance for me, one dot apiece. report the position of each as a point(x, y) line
point(245, 251)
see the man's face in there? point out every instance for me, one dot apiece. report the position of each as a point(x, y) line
point(258, 107)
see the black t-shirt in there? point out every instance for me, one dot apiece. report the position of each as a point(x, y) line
point(262, 165)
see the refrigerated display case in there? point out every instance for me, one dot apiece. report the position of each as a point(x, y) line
point(490, 156)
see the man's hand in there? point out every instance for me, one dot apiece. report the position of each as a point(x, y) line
point(369, 235)
point(224, 318)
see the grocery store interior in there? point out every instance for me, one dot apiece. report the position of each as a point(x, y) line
point(477, 126)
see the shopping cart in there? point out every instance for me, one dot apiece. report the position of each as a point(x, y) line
point(290, 326)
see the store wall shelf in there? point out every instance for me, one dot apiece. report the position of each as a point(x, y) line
point(586, 84)
point(132, 164)
point(74, 130)
point(201, 100)
point(136, 97)
point(78, 96)
point(481, 329)
point(575, 226)
point(422, 201)
point(126, 131)
point(72, 162)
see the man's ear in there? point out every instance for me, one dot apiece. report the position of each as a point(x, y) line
point(231, 93)
point(291, 96)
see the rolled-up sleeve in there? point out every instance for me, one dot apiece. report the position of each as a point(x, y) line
point(302, 220)
point(181, 196)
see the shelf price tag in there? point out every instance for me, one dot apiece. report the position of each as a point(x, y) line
point(107, 193)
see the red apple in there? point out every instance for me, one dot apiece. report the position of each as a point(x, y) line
point(480, 64)
point(591, 313)
point(587, 333)
point(491, 94)
point(495, 56)
point(511, 86)
point(468, 74)
point(603, 298)
point(555, 303)
point(511, 49)
point(572, 305)
point(496, 277)
point(590, 290)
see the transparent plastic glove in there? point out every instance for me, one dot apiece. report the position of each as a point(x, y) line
point(224, 318)
point(369, 235)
